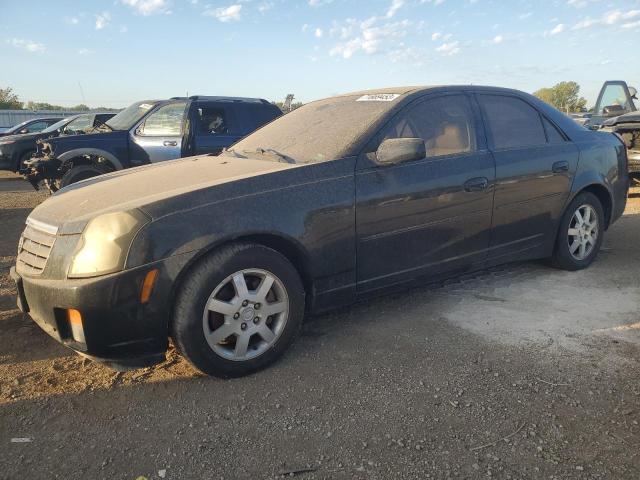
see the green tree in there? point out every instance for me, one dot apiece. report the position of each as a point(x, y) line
point(80, 108)
point(9, 100)
point(564, 96)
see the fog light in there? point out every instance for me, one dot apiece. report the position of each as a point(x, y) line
point(75, 322)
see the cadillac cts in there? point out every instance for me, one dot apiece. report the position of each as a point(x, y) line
point(339, 200)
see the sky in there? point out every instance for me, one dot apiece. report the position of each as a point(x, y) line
point(114, 52)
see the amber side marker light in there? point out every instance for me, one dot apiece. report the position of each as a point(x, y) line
point(74, 317)
point(147, 285)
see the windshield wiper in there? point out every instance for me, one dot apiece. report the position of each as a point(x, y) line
point(270, 151)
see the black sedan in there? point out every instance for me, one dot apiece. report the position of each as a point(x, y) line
point(337, 201)
point(16, 149)
point(35, 125)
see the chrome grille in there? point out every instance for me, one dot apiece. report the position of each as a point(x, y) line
point(34, 248)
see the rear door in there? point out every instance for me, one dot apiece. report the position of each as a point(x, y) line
point(430, 216)
point(158, 137)
point(535, 165)
point(214, 126)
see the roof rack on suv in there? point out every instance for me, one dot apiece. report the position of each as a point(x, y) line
point(224, 99)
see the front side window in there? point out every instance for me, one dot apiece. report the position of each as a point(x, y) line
point(211, 121)
point(37, 127)
point(512, 122)
point(445, 124)
point(165, 121)
point(614, 99)
point(78, 126)
point(553, 134)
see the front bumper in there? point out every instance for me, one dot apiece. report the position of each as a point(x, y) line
point(119, 330)
point(633, 157)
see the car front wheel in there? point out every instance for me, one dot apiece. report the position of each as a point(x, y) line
point(238, 310)
point(581, 233)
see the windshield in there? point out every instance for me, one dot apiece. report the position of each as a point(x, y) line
point(319, 131)
point(60, 124)
point(128, 117)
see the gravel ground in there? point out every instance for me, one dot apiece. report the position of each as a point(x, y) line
point(520, 372)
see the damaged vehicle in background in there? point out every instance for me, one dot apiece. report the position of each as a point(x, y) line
point(15, 150)
point(34, 125)
point(148, 132)
point(616, 112)
point(340, 200)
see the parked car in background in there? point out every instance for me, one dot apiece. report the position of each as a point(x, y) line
point(339, 200)
point(616, 112)
point(34, 125)
point(15, 150)
point(148, 132)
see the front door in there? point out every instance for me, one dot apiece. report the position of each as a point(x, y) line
point(215, 127)
point(430, 216)
point(535, 165)
point(159, 136)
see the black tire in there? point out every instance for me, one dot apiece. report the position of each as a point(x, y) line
point(562, 256)
point(80, 172)
point(187, 326)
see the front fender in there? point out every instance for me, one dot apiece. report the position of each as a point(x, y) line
point(96, 152)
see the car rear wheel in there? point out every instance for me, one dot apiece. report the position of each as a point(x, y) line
point(581, 233)
point(80, 172)
point(238, 310)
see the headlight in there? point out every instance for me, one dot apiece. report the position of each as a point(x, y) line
point(105, 243)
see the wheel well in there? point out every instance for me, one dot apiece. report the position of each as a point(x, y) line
point(285, 247)
point(605, 199)
point(89, 160)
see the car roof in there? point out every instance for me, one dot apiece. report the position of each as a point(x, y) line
point(421, 89)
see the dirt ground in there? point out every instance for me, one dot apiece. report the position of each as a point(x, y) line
point(520, 372)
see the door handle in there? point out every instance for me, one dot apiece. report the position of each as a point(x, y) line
point(562, 166)
point(476, 184)
point(170, 143)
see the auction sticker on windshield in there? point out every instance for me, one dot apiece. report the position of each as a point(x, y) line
point(379, 97)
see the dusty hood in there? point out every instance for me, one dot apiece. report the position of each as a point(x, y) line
point(71, 208)
point(631, 117)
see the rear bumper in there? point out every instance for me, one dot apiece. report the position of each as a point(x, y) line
point(117, 328)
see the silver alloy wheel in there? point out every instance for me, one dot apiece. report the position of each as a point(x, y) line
point(582, 235)
point(245, 314)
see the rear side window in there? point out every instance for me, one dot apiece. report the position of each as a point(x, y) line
point(212, 120)
point(553, 134)
point(444, 123)
point(512, 122)
point(165, 121)
point(37, 127)
point(260, 114)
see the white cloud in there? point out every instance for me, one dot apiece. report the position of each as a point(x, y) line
point(370, 36)
point(318, 33)
point(317, 3)
point(102, 20)
point(525, 15)
point(72, 20)
point(635, 24)
point(557, 29)
point(225, 14)
point(394, 7)
point(436, 35)
point(28, 45)
point(581, 3)
point(265, 6)
point(304, 28)
point(85, 51)
point(612, 18)
point(148, 7)
point(497, 39)
point(449, 49)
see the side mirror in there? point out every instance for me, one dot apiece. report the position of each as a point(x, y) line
point(393, 151)
point(633, 92)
